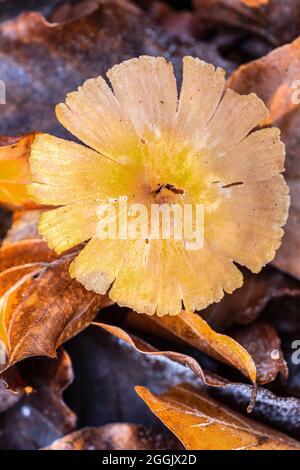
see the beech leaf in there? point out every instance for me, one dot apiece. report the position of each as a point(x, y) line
point(145, 348)
point(206, 377)
point(25, 252)
point(41, 306)
point(201, 423)
point(192, 329)
point(14, 170)
point(45, 309)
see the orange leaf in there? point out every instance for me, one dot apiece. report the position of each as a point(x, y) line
point(192, 329)
point(44, 309)
point(8, 281)
point(201, 423)
point(40, 305)
point(187, 361)
point(14, 170)
point(24, 252)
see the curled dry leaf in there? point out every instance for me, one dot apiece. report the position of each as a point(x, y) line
point(14, 170)
point(122, 367)
point(24, 252)
point(42, 416)
point(192, 329)
point(113, 368)
point(277, 21)
point(37, 55)
point(44, 309)
point(201, 423)
point(40, 306)
point(117, 436)
point(145, 348)
point(206, 377)
point(275, 79)
point(264, 346)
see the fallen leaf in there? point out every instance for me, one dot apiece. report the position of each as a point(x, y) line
point(145, 348)
point(201, 423)
point(141, 346)
point(117, 436)
point(41, 307)
point(42, 61)
point(44, 309)
point(264, 346)
point(25, 252)
point(111, 396)
point(193, 330)
point(274, 78)
point(14, 170)
point(107, 370)
point(42, 416)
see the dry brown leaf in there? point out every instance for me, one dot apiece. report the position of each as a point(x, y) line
point(44, 309)
point(201, 423)
point(277, 21)
point(14, 170)
point(122, 367)
point(117, 436)
point(145, 348)
point(264, 346)
point(274, 79)
point(25, 252)
point(192, 329)
point(206, 377)
point(41, 307)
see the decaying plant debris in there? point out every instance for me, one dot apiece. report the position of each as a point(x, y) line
point(126, 380)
